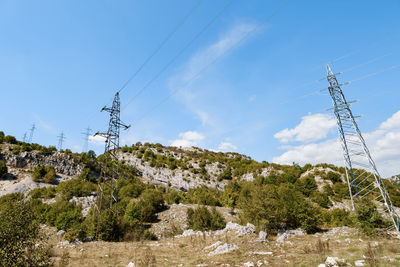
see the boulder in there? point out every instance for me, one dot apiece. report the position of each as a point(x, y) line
point(333, 261)
point(359, 263)
point(222, 249)
point(131, 264)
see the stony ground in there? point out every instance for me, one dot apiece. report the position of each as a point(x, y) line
point(234, 246)
point(246, 250)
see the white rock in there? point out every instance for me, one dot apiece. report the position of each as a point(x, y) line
point(248, 264)
point(333, 261)
point(225, 248)
point(261, 252)
point(60, 233)
point(259, 263)
point(131, 264)
point(321, 265)
point(359, 263)
point(213, 246)
point(262, 236)
point(282, 237)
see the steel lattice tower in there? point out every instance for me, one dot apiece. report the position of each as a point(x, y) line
point(31, 133)
point(61, 139)
point(362, 175)
point(110, 168)
point(86, 143)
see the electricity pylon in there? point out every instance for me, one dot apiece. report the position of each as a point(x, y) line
point(24, 138)
point(31, 133)
point(61, 139)
point(110, 169)
point(362, 175)
point(86, 144)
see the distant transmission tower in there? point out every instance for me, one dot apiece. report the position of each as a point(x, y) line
point(31, 133)
point(86, 138)
point(24, 138)
point(61, 139)
point(362, 175)
point(110, 168)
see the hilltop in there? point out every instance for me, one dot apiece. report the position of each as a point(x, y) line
point(194, 199)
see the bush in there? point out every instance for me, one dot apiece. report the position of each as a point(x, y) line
point(63, 215)
point(273, 208)
point(144, 209)
point(46, 174)
point(338, 218)
point(321, 199)
point(225, 175)
point(3, 169)
point(10, 139)
point(203, 220)
point(20, 241)
point(368, 217)
point(76, 187)
point(50, 176)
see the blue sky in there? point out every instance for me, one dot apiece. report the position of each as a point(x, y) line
point(61, 61)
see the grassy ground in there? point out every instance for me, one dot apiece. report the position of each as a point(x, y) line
point(307, 250)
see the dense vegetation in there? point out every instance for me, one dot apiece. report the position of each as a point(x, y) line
point(3, 169)
point(21, 243)
point(286, 197)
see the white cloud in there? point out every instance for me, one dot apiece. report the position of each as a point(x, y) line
point(226, 147)
point(383, 143)
point(97, 140)
point(311, 128)
point(187, 139)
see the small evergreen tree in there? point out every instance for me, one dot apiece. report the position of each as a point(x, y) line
point(3, 169)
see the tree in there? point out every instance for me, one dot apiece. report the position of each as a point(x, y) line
point(3, 169)
point(202, 219)
point(20, 240)
point(91, 154)
point(10, 139)
point(50, 176)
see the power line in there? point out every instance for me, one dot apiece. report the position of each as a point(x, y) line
point(180, 53)
point(194, 77)
point(161, 45)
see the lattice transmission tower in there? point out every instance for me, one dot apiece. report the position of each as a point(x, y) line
point(61, 139)
point(87, 133)
point(31, 131)
point(362, 175)
point(110, 168)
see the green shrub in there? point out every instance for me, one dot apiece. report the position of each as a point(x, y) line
point(273, 208)
point(338, 218)
point(225, 175)
point(76, 187)
point(144, 209)
point(21, 243)
point(3, 169)
point(63, 214)
point(10, 139)
point(203, 220)
point(368, 217)
point(333, 176)
point(46, 174)
point(50, 176)
point(43, 192)
point(321, 199)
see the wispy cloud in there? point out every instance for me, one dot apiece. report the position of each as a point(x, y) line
point(189, 71)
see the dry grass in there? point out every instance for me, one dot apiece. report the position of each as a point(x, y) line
point(308, 250)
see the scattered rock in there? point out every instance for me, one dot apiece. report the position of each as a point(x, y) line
point(60, 233)
point(262, 236)
point(359, 263)
point(333, 261)
point(225, 248)
point(248, 264)
point(289, 233)
point(213, 246)
point(321, 265)
point(131, 264)
point(261, 252)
